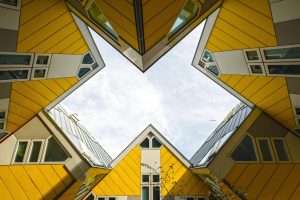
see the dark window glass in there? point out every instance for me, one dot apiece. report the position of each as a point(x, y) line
point(296, 130)
point(112, 198)
point(213, 69)
point(3, 135)
point(297, 111)
point(156, 178)
point(145, 178)
point(208, 57)
point(281, 151)
point(20, 154)
point(288, 69)
point(190, 198)
point(283, 53)
point(54, 152)
point(35, 152)
point(42, 60)
point(252, 55)
point(83, 71)
point(2, 114)
point(145, 143)
point(156, 193)
point(1, 125)
point(101, 198)
point(155, 143)
point(9, 2)
point(87, 59)
point(13, 74)
point(39, 73)
point(201, 198)
point(97, 16)
point(145, 193)
point(245, 150)
point(6, 59)
point(186, 15)
point(265, 150)
point(90, 197)
point(256, 69)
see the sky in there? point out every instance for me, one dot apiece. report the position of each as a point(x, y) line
point(120, 101)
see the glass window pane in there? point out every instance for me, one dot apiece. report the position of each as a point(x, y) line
point(283, 53)
point(97, 16)
point(83, 71)
point(281, 151)
point(156, 178)
point(208, 57)
point(101, 198)
point(145, 143)
point(256, 69)
point(42, 60)
point(245, 150)
point(87, 59)
point(7, 59)
point(112, 198)
point(39, 73)
point(35, 151)
point(13, 74)
point(2, 114)
point(190, 198)
point(155, 143)
point(213, 69)
point(9, 2)
point(252, 55)
point(145, 193)
point(90, 197)
point(54, 153)
point(186, 15)
point(145, 178)
point(1, 125)
point(20, 154)
point(288, 69)
point(156, 193)
point(3, 135)
point(297, 111)
point(265, 150)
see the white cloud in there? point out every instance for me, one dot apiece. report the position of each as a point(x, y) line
point(120, 101)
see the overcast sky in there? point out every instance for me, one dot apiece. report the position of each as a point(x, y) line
point(120, 101)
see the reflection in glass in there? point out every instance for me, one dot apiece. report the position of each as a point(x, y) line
point(20, 154)
point(245, 150)
point(281, 151)
point(282, 53)
point(54, 153)
point(265, 150)
point(284, 69)
point(8, 59)
point(13, 74)
point(35, 152)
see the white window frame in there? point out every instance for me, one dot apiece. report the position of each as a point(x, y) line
point(255, 74)
point(286, 148)
point(210, 53)
point(15, 80)
point(270, 147)
point(5, 115)
point(212, 63)
point(297, 121)
point(16, 149)
point(278, 60)
point(101, 197)
point(83, 66)
point(44, 154)
point(294, 110)
point(150, 143)
point(30, 151)
point(281, 63)
point(258, 53)
point(7, 134)
point(17, 7)
point(255, 150)
point(4, 125)
point(41, 65)
point(38, 68)
point(86, 196)
point(87, 65)
point(153, 183)
point(142, 182)
point(17, 66)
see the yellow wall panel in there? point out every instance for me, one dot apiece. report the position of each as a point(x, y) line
point(53, 86)
point(235, 173)
point(15, 119)
point(258, 84)
point(296, 193)
point(125, 8)
point(248, 175)
point(25, 182)
point(11, 127)
point(244, 83)
point(274, 98)
point(63, 174)
point(64, 84)
point(234, 80)
point(285, 115)
point(4, 192)
point(82, 50)
point(279, 107)
point(113, 183)
point(224, 77)
point(42, 90)
point(260, 6)
point(290, 123)
point(24, 101)
point(218, 42)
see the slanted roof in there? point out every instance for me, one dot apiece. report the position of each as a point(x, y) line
point(150, 129)
point(220, 135)
point(83, 140)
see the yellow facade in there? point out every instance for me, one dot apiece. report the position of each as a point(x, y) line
point(33, 181)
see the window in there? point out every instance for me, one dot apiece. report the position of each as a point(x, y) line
point(145, 192)
point(284, 69)
point(111, 198)
point(186, 15)
point(155, 143)
point(156, 193)
point(252, 55)
point(145, 178)
point(265, 150)
point(282, 53)
point(207, 57)
point(54, 152)
point(97, 16)
point(213, 69)
point(190, 198)
point(2, 125)
point(42, 60)
point(90, 197)
point(11, 59)
point(200, 198)
point(145, 143)
point(101, 198)
point(155, 178)
point(280, 150)
point(2, 115)
point(87, 59)
point(256, 69)
point(14, 74)
point(245, 151)
point(39, 73)
point(297, 111)
point(9, 2)
point(297, 131)
point(35, 151)
point(83, 71)
point(21, 151)
point(3, 135)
